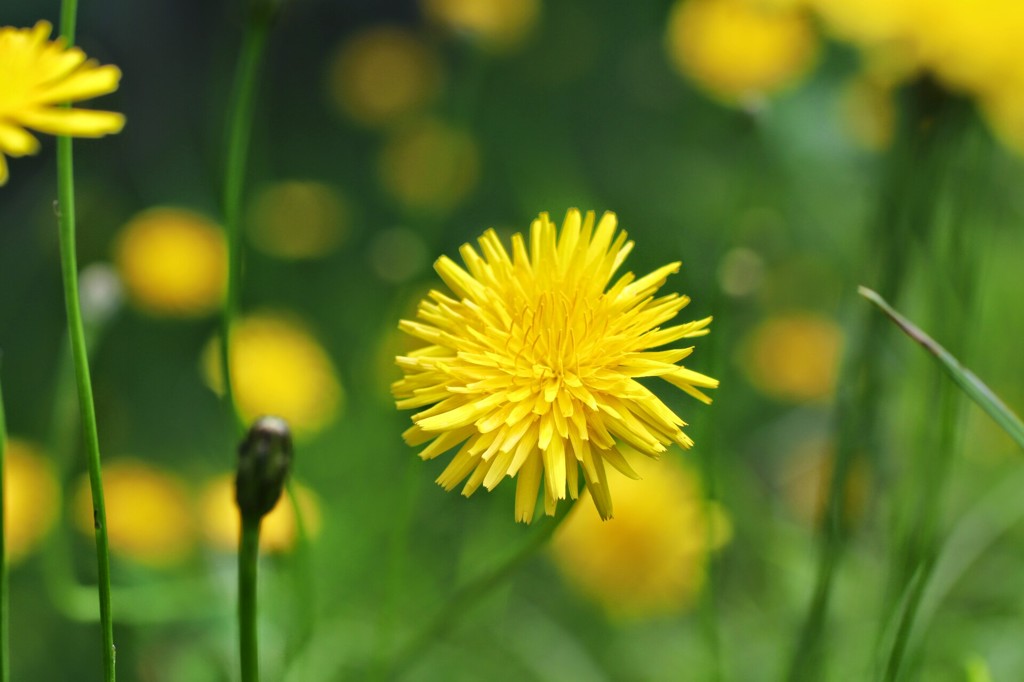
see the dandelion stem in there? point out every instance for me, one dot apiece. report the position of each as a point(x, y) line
point(76, 333)
point(5, 648)
point(239, 136)
point(248, 560)
point(472, 593)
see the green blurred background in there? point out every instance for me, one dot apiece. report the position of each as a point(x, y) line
point(768, 202)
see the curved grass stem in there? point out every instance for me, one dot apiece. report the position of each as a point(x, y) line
point(239, 135)
point(76, 333)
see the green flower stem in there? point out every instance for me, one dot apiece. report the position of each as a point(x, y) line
point(248, 561)
point(474, 592)
point(239, 136)
point(5, 647)
point(76, 333)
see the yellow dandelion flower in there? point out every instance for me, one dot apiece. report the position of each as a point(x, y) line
point(870, 22)
point(39, 74)
point(497, 24)
point(382, 75)
point(532, 368)
point(1003, 110)
point(32, 498)
point(278, 530)
point(279, 368)
point(149, 516)
point(739, 49)
point(794, 356)
point(650, 559)
point(173, 262)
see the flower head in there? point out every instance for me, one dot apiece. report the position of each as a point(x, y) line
point(173, 261)
point(532, 368)
point(740, 50)
point(497, 24)
point(651, 558)
point(32, 498)
point(793, 357)
point(149, 516)
point(38, 75)
point(384, 74)
point(278, 367)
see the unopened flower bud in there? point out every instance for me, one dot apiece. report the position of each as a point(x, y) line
point(264, 460)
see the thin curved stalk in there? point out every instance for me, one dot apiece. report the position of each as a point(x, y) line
point(76, 333)
point(239, 135)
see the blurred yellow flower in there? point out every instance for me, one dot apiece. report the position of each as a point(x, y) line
point(793, 357)
point(1003, 110)
point(173, 262)
point(740, 50)
point(973, 48)
point(650, 559)
point(32, 498)
point(497, 24)
point(869, 22)
point(429, 166)
point(279, 369)
point(532, 368)
point(298, 219)
point(40, 74)
point(278, 531)
point(149, 517)
point(382, 75)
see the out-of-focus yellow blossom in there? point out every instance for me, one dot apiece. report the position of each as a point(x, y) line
point(32, 498)
point(869, 22)
point(39, 75)
point(807, 474)
point(650, 559)
point(740, 50)
point(531, 370)
point(278, 530)
point(279, 369)
point(149, 516)
point(382, 75)
point(794, 356)
point(497, 24)
point(298, 219)
point(869, 112)
point(429, 166)
point(973, 48)
point(1004, 111)
point(173, 262)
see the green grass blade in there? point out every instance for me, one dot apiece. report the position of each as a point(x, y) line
point(974, 387)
